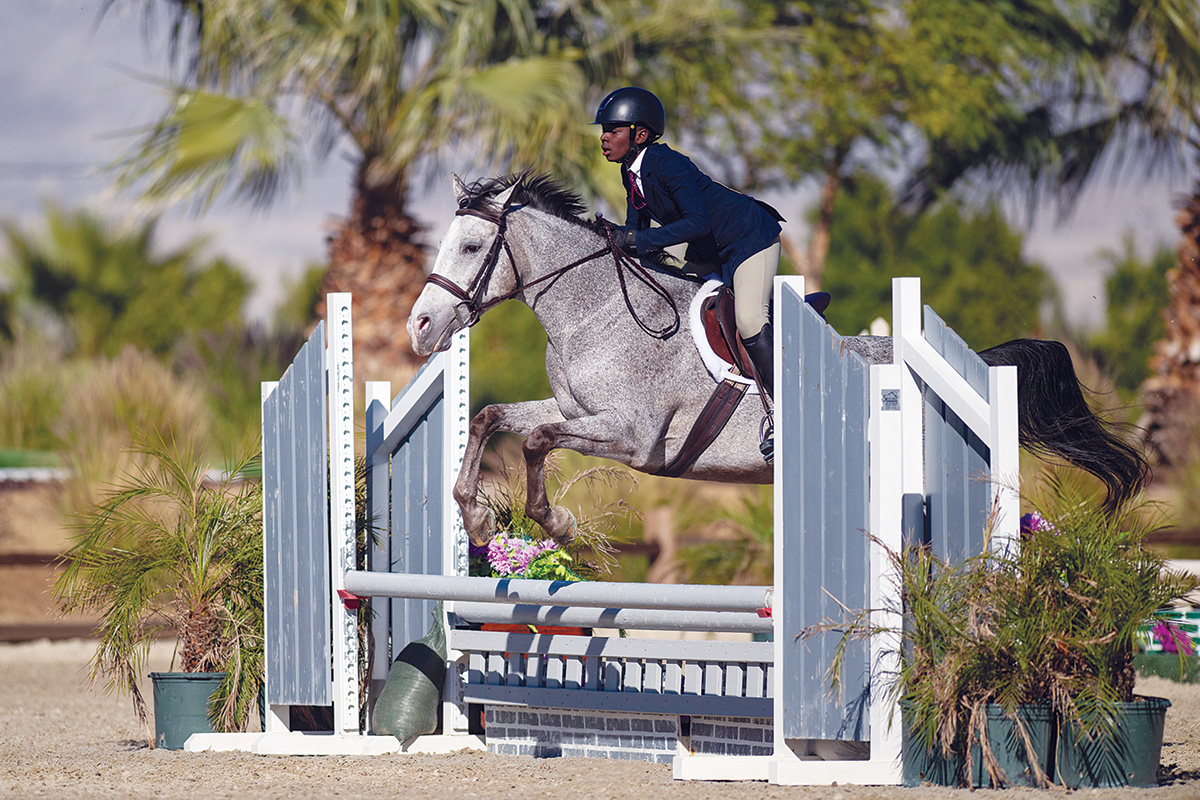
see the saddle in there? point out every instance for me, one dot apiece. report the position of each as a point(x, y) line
point(720, 327)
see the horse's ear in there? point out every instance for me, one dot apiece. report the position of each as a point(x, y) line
point(505, 198)
point(460, 188)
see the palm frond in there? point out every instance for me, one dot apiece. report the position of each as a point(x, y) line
point(211, 143)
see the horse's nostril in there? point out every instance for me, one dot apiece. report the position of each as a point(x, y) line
point(422, 323)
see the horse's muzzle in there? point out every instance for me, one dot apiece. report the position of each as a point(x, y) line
point(428, 336)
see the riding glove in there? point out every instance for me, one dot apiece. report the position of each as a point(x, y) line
point(625, 239)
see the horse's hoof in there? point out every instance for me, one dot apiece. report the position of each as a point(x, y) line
point(480, 533)
point(560, 525)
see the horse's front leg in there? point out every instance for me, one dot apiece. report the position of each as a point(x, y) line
point(603, 435)
point(515, 417)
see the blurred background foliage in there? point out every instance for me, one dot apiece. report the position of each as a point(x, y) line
point(914, 120)
point(970, 262)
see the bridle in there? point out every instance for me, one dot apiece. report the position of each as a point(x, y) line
point(471, 298)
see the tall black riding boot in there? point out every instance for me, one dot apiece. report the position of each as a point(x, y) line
point(761, 348)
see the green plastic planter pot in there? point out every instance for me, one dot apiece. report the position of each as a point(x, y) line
point(1007, 746)
point(1127, 758)
point(181, 705)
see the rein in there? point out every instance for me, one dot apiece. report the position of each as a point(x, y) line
point(472, 300)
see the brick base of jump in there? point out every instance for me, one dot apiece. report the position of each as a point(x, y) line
point(657, 738)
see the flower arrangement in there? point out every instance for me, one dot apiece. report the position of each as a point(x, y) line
point(518, 550)
point(511, 555)
point(1033, 523)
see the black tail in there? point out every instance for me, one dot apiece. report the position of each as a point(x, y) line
point(1054, 418)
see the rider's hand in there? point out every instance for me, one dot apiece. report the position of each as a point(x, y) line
point(625, 239)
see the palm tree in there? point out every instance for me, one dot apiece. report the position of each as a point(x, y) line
point(1172, 394)
point(167, 552)
point(100, 286)
point(392, 81)
point(1122, 96)
point(399, 85)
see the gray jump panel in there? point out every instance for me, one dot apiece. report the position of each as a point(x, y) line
point(296, 532)
point(416, 541)
point(823, 469)
point(637, 675)
point(957, 462)
point(405, 489)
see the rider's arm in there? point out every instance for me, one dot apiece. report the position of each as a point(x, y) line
point(681, 179)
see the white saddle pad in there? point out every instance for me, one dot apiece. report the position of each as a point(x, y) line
point(717, 367)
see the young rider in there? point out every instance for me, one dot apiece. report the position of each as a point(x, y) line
point(726, 230)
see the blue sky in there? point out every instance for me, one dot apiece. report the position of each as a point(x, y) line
point(69, 89)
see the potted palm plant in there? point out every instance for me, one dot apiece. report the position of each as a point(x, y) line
point(167, 552)
point(1099, 585)
point(1017, 667)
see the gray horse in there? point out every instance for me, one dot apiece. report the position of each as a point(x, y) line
point(628, 384)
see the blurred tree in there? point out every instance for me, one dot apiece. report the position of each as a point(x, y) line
point(970, 262)
point(745, 554)
point(399, 85)
point(231, 364)
point(1122, 95)
point(1035, 96)
point(1137, 292)
point(8, 316)
point(1172, 394)
point(508, 357)
point(869, 83)
point(108, 287)
point(300, 298)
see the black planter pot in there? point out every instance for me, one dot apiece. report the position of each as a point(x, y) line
point(181, 705)
point(1128, 757)
point(1007, 745)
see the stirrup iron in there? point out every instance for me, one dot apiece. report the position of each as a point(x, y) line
point(766, 438)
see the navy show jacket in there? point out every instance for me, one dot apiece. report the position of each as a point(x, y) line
point(722, 227)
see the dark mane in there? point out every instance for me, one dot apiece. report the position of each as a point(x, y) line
point(537, 191)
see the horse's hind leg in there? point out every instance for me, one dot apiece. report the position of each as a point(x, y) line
point(515, 417)
point(601, 435)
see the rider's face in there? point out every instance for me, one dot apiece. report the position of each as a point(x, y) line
point(616, 139)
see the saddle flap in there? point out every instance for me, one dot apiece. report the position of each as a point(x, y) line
point(712, 329)
point(720, 328)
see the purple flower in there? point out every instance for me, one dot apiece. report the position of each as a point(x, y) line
point(1173, 638)
point(508, 554)
point(1034, 522)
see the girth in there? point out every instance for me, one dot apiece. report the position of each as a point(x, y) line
point(717, 315)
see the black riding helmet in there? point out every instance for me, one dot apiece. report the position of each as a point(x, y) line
point(632, 106)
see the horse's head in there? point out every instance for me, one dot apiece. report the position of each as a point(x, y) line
point(473, 266)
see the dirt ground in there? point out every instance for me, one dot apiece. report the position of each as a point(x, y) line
point(58, 738)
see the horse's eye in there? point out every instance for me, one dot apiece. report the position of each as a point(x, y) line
point(471, 249)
